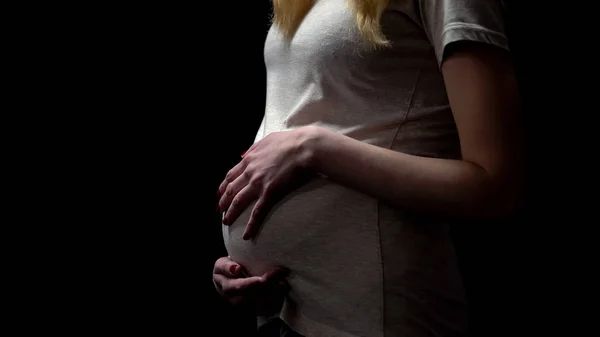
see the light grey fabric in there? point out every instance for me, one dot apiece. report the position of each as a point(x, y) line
point(358, 266)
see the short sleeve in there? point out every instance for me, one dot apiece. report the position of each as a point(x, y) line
point(448, 21)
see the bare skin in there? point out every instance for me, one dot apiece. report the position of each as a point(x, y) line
point(486, 182)
point(262, 294)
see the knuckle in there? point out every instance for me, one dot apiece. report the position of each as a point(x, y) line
point(226, 292)
point(250, 168)
point(254, 182)
point(228, 288)
point(267, 188)
point(218, 264)
point(237, 288)
point(256, 179)
point(218, 285)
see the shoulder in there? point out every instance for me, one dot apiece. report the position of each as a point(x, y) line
point(449, 21)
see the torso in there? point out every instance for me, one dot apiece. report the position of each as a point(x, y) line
point(346, 250)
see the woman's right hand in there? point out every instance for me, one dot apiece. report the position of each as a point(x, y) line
point(264, 294)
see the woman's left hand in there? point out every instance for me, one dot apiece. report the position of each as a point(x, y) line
point(278, 161)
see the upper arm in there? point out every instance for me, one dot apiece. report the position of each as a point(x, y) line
point(482, 92)
point(469, 41)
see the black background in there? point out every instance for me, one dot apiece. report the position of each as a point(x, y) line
point(151, 104)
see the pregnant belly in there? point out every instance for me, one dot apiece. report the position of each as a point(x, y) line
point(327, 236)
point(310, 232)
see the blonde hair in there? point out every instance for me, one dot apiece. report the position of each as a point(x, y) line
point(288, 14)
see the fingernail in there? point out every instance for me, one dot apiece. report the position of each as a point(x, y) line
point(233, 269)
point(225, 221)
point(243, 154)
point(246, 237)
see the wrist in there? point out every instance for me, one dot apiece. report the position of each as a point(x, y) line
point(310, 140)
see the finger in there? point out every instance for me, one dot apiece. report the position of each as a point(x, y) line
point(251, 148)
point(232, 190)
point(236, 300)
point(275, 274)
point(231, 287)
point(239, 203)
point(225, 266)
point(231, 176)
point(280, 287)
point(261, 208)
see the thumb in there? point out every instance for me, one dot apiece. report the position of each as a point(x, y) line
point(275, 274)
point(228, 267)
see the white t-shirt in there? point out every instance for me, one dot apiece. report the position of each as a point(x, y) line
point(360, 267)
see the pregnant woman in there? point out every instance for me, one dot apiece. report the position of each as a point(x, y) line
point(386, 121)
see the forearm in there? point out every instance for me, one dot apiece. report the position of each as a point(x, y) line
point(443, 186)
